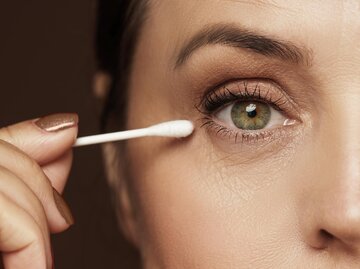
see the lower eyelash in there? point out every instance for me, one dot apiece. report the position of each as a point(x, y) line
point(237, 136)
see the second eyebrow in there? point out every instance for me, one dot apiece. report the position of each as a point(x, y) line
point(233, 36)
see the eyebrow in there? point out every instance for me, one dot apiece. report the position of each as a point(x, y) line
point(233, 36)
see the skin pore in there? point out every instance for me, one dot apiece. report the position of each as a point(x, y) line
point(285, 196)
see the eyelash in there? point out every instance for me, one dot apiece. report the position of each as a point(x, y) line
point(217, 99)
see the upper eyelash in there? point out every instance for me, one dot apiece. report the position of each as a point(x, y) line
point(215, 99)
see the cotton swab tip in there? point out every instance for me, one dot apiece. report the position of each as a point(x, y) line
point(177, 128)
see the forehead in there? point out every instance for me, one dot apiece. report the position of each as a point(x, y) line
point(325, 18)
point(329, 28)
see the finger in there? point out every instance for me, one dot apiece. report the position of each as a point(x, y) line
point(43, 139)
point(18, 193)
point(57, 212)
point(21, 240)
point(59, 170)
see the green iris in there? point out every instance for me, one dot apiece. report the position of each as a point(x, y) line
point(250, 115)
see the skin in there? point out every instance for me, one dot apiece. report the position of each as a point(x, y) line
point(291, 201)
point(32, 163)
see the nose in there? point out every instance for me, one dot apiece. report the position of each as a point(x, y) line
point(329, 200)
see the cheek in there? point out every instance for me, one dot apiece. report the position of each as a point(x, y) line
point(198, 210)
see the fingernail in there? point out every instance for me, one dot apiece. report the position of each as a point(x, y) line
point(63, 208)
point(57, 122)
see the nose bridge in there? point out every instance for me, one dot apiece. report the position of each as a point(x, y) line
point(338, 170)
point(339, 131)
point(341, 123)
point(339, 199)
point(339, 194)
point(331, 192)
point(341, 146)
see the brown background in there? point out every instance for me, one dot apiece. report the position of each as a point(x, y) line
point(46, 66)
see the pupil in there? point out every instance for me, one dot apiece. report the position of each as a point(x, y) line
point(252, 114)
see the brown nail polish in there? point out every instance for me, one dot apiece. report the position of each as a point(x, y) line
point(57, 122)
point(63, 208)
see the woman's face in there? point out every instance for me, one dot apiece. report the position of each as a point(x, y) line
point(271, 176)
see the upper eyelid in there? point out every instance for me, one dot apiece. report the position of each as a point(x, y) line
point(255, 91)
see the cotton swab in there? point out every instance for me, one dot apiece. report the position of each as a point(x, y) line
point(177, 128)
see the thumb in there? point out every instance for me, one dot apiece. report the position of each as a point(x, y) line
point(44, 139)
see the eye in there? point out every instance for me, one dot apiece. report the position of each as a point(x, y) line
point(251, 115)
point(248, 109)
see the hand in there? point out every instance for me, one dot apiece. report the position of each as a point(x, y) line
point(35, 160)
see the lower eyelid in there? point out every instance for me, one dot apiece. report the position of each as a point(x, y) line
point(245, 147)
point(255, 137)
